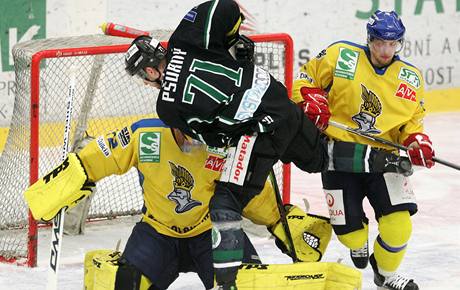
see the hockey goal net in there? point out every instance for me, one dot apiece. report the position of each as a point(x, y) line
point(105, 99)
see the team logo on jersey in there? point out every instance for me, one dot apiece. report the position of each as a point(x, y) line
point(346, 63)
point(149, 147)
point(406, 92)
point(370, 109)
point(410, 77)
point(183, 184)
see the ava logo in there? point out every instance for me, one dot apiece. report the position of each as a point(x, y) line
point(410, 77)
point(149, 147)
point(214, 163)
point(405, 92)
point(183, 184)
point(370, 109)
point(346, 63)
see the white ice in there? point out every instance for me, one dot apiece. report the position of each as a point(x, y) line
point(432, 259)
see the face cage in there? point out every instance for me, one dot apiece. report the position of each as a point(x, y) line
point(398, 50)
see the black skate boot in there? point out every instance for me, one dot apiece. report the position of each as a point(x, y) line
point(360, 257)
point(394, 282)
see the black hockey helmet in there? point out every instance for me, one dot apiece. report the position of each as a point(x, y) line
point(144, 51)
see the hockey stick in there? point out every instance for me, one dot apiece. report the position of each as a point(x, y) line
point(386, 142)
point(75, 219)
point(283, 217)
point(58, 221)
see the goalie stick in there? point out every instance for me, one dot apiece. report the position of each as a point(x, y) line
point(57, 227)
point(386, 142)
point(283, 218)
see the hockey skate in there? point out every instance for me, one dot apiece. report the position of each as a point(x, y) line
point(394, 282)
point(360, 257)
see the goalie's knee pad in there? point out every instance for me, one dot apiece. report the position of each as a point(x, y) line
point(105, 270)
point(64, 186)
point(355, 239)
point(310, 234)
point(390, 246)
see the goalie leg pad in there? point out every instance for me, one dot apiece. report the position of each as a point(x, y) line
point(312, 276)
point(105, 271)
point(310, 233)
point(64, 186)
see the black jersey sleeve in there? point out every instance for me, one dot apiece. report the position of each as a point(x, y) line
point(210, 25)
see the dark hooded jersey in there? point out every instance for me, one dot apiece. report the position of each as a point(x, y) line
point(206, 92)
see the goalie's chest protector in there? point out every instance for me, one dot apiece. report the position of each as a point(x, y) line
point(177, 185)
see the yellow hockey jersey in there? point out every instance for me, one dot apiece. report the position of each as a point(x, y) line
point(177, 186)
point(386, 102)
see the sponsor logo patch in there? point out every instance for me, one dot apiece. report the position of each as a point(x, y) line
point(190, 16)
point(103, 146)
point(410, 77)
point(240, 161)
point(406, 92)
point(253, 96)
point(124, 137)
point(346, 63)
point(304, 76)
point(336, 207)
point(217, 151)
point(149, 147)
point(321, 54)
point(214, 163)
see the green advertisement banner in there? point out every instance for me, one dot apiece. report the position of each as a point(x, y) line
point(20, 20)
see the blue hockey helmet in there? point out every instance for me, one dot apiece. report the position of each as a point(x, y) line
point(386, 26)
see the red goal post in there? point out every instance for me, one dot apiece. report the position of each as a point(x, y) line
point(106, 99)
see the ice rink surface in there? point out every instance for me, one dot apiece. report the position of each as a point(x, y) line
point(432, 259)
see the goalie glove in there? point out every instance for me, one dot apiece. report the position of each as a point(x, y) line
point(316, 106)
point(244, 49)
point(64, 186)
point(420, 149)
point(310, 234)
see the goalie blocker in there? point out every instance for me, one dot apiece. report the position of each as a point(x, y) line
point(64, 187)
point(103, 270)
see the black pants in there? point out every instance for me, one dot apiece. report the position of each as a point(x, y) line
point(161, 258)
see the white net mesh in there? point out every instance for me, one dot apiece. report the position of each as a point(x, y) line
point(106, 99)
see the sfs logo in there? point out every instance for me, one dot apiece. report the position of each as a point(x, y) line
point(56, 171)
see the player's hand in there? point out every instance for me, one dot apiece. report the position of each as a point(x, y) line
point(420, 149)
point(316, 106)
point(244, 49)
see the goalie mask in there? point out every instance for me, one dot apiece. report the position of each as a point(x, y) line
point(144, 51)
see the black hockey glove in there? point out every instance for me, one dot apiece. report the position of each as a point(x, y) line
point(244, 49)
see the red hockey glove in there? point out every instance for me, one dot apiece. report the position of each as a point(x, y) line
point(316, 106)
point(420, 149)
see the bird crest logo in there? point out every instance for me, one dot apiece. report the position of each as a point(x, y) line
point(183, 184)
point(369, 110)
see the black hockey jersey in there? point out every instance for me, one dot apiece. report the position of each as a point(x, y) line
point(206, 92)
